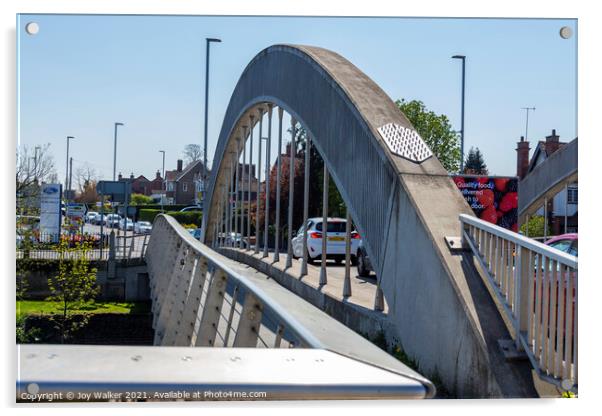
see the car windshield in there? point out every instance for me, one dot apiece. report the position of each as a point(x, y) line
point(145, 223)
point(333, 226)
point(562, 245)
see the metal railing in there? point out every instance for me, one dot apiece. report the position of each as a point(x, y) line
point(537, 288)
point(45, 246)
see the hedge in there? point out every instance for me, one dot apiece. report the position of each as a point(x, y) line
point(187, 217)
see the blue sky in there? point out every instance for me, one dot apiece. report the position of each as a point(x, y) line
point(81, 73)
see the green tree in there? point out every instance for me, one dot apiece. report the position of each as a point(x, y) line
point(535, 225)
point(436, 131)
point(475, 164)
point(74, 285)
point(140, 199)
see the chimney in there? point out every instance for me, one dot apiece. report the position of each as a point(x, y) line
point(158, 176)
point(179, 165)
point(119, 177)
point(552, 142)
point(522, 157)
point(132, 176)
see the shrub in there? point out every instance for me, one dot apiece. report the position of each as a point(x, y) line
point(188, 217)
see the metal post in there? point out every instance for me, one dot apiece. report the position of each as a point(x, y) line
point(266, 217)
point(527, 123)
point(115, 149)
point(291, 189)
point(305, 204)
point(347, 282)
point(102, 220)
point(463, 58)
point(231, 202)
point(545, 219)
point(257, 229)
point(207, 47)
point(242, 186)
point(566, 207)
point(237, 188)
point(67, 162)
point(323, 274)
point(277, 225)
point(527, 227)
point(251, 118)
point(70, 172)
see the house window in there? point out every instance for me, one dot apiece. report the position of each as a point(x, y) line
point(572, 196)
point(185, 186)
point(170, 186)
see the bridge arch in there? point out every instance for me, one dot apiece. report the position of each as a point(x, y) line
point(342, 109)
point(403, 208)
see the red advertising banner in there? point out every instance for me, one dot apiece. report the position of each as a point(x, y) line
point(492, 198)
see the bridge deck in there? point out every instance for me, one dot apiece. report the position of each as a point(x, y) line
point(363, 289)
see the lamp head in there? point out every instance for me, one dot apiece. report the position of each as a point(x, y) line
point(118, 124)
point(459, 57)
point(70, 137)
point(213, 40)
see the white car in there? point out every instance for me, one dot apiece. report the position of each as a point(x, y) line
point(126, 224)
point(112, 220)
point(143, 227)
point(335, 246)
point(91, 216)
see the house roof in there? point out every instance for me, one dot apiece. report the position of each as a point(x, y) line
point(174, 175)
point(540, 150)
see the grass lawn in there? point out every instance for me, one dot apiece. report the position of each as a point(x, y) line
point(42, 307)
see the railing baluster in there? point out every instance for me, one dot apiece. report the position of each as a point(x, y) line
point(537, 312)
point(568, 334)
point(193, 302)
point(560, 322)
point(180, 296)
point(231, 315)
point(212, 309)
point(545, 314)
point(249, 323)
point(553, 312)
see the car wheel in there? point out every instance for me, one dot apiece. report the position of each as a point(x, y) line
point(362, 270)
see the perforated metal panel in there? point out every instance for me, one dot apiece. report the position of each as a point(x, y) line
point(405, 142)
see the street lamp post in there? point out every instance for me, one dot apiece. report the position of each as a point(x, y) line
point(35, 163)
point(67, 162)
point(463, 58)
point(162, 178)
point(115, 149)
point(207, 47)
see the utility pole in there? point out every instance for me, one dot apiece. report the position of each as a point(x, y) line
point(463, 58)
point(115, 149)
point(67, 162)
point(527, 109)
point(207, 47)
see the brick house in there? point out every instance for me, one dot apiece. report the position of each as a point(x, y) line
point(184, 185)
point(564, 202)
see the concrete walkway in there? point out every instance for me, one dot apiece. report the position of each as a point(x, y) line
point(363, 289)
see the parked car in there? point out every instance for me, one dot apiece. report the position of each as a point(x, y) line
point(91, 216)
point(335, 245)
point(192, 208)
point(195, 232)
point(364, 266)
point(112, 220)
point(569, 243)
point(126, 224)
point(143, 227)
point(236, 239)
